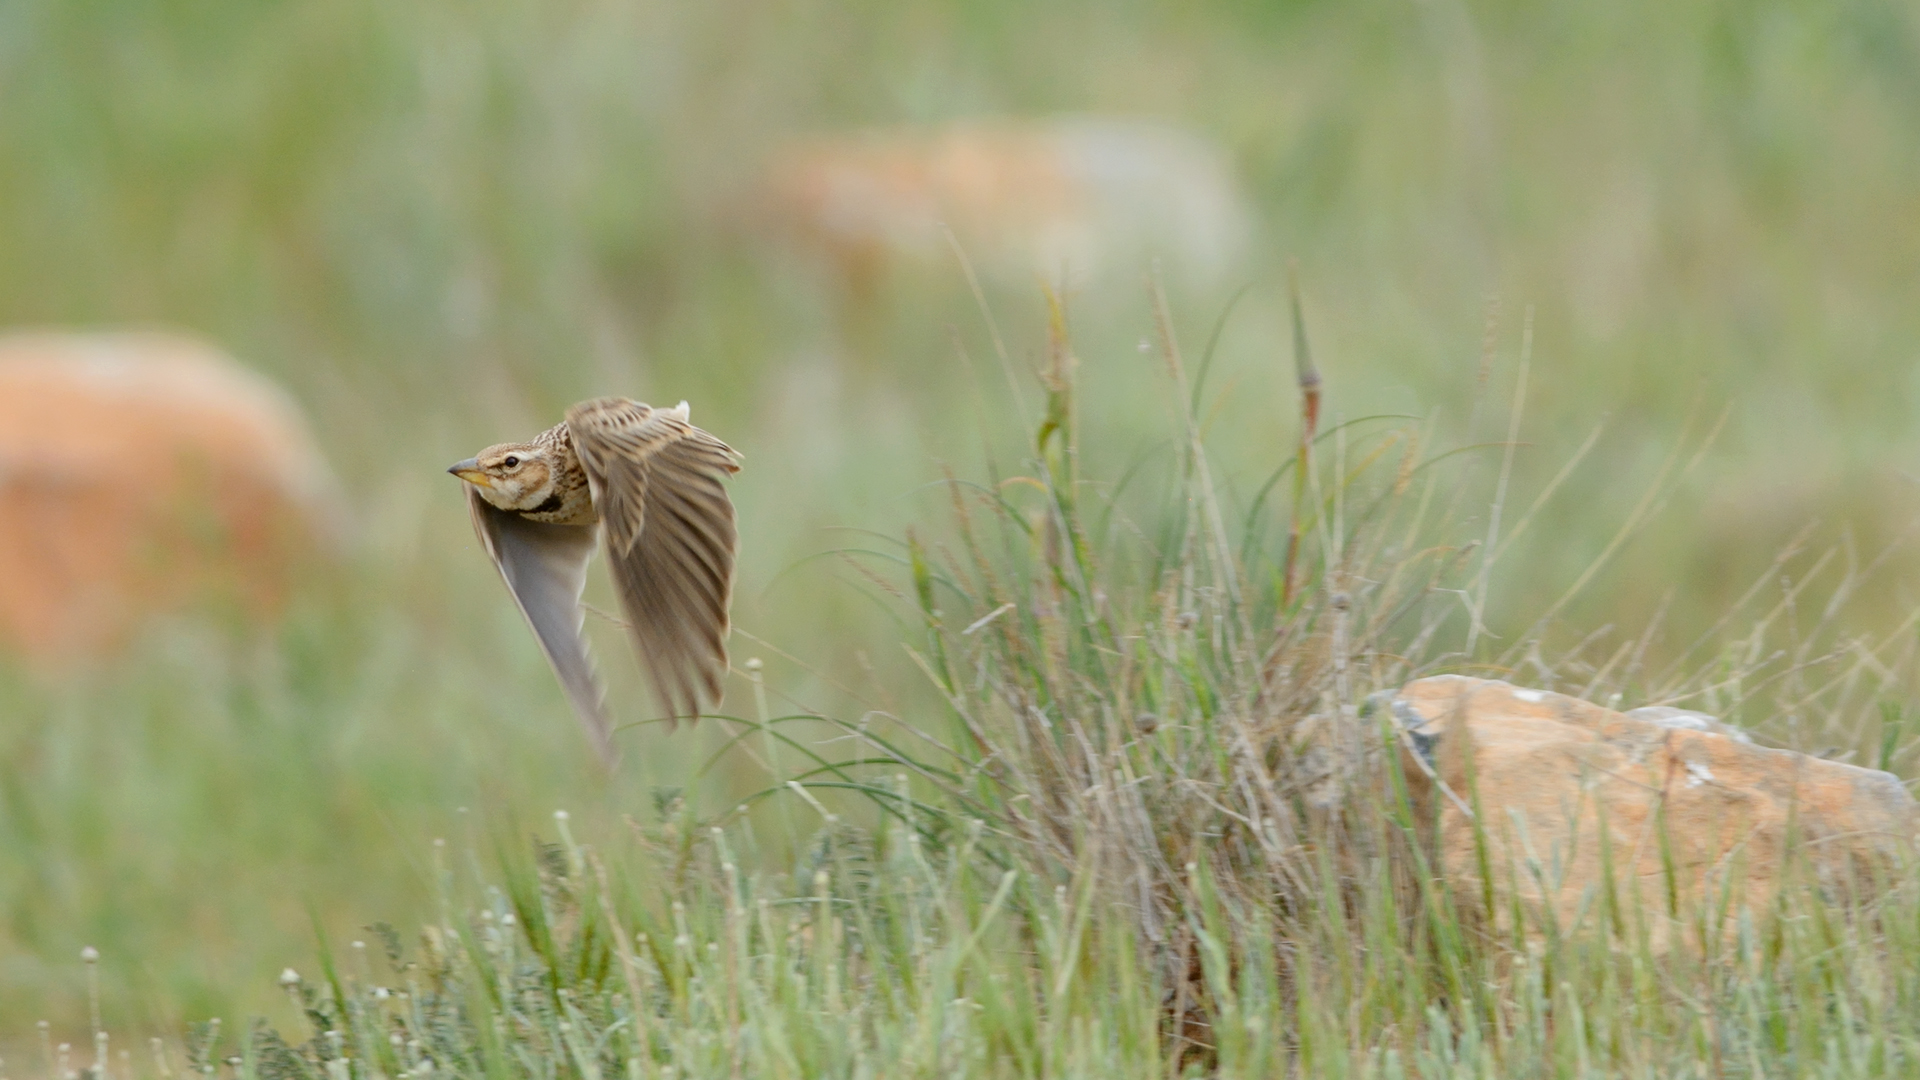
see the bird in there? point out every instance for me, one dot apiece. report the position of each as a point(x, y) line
point(650, 485)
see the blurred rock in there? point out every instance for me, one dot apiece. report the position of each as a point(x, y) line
point(1083, 195)
point(139, 472)
point(1565, 787)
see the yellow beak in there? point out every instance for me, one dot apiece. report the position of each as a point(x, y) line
point(469, 470)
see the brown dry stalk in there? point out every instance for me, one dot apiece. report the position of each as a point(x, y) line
point(1307, 378)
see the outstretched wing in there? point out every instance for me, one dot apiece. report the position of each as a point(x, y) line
point(658, 484)
point(545, 567)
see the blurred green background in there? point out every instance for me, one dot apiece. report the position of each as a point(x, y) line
point(437, 224)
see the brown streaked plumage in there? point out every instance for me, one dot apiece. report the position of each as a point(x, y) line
point(649, 482)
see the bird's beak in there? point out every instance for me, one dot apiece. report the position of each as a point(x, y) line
point(469, 470)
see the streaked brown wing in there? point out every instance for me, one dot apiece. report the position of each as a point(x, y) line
point(658, 483)
point(545, 568)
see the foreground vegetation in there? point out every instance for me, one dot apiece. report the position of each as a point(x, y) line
point(899, 962)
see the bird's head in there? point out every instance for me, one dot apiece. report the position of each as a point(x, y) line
point(511, 476)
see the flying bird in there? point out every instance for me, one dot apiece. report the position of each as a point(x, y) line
point(650, 484)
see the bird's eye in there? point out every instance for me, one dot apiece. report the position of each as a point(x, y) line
point(511, 462)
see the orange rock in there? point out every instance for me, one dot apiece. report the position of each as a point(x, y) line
point(139, 472)
point(1026, 196)
point(1565, 788)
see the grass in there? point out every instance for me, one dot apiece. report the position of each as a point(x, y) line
point(898, 962)
point(1149, 830)
point(439, 225)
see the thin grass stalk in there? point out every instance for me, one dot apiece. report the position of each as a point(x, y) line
point(1307, 379)
point(1477, 624)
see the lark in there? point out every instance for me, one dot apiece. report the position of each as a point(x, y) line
point(651, 485)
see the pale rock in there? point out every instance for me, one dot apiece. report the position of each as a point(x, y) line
point(139, 471)
point(1561, 788)
point(1083, 195)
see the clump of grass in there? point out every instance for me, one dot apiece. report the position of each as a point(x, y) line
point(1165, 709)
